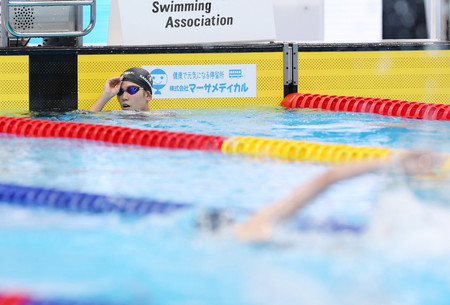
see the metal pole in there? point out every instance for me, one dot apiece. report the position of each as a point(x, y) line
point(3, 31)
point(51, 3)
point(433, 20)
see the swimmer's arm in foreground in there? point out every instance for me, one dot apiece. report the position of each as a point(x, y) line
point(259, 226)
point(111, 88)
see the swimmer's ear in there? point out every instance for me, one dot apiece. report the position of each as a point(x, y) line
point(148, 95)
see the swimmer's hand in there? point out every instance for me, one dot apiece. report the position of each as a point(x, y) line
point(111, 88)
point(420, 163)
point(256, 229)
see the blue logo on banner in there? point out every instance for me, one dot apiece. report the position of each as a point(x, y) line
point(235, 73)
point(159, 80)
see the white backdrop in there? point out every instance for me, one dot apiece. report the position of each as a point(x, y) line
point(299, 20)
point(161, 22)
point(353, 20)
point(252, 20)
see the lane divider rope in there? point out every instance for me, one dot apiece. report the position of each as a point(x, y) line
point(78, 202)
point(288, 150)
point(405, 109)
point(106, 133)
point(291, 150)
point(82, 202)
point(22, 299)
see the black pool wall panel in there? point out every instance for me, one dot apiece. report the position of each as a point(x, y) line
point(53, 82)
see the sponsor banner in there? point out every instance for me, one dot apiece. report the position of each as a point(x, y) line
point(161, 22)
point(203, 81)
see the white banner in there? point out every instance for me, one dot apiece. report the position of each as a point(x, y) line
point(160, 22)
point(203, 81)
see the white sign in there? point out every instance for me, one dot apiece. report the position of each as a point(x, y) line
point(160, 22)
point(353, 20)
point(299, 20)
point(203, 81)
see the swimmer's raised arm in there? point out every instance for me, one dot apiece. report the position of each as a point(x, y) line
point(259, 226)
point(133, 89)
point(111, 88)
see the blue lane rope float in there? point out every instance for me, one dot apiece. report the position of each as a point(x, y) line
point(82, 202)
point(77, 202)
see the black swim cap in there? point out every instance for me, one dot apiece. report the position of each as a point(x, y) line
point(140, 77)
point(213, 220)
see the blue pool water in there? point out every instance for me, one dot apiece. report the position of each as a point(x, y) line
point(402, 257)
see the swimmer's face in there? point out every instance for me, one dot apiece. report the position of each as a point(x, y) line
point(137, 101)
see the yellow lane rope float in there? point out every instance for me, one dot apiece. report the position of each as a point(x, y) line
point(291, 150)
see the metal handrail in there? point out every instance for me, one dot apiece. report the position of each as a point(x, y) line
point(87, 30)
point(50, 3)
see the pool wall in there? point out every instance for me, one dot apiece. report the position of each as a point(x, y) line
point(408, 72)
point(64, 79)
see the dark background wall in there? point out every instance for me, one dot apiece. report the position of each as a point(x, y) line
point(404, 19)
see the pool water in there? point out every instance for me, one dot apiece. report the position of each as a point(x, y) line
point(401, 257)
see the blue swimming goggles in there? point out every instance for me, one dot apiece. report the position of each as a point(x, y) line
point(131, 90)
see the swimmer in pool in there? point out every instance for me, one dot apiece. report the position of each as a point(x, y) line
point(133, 89)
point(260, 225)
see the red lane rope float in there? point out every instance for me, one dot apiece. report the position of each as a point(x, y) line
point(13, 299)
point(390, 107)
point(19, 299)
point(112, 134)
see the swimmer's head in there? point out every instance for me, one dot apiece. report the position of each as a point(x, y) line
point(213, 220)
point(140, 77)
point(135, 90)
